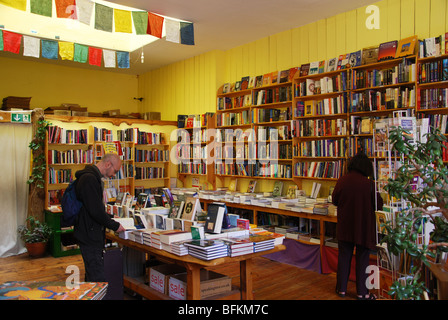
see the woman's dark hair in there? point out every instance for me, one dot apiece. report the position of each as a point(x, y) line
point(362, 164)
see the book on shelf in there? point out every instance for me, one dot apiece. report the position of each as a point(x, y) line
point(355, 58)
point(369, 55)
point(304, 69)
point(387, 50)
point(331, 65)
point(314, 68)
point(406, 46)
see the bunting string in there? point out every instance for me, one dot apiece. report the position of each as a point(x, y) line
point(53, 49)
point(110, 19)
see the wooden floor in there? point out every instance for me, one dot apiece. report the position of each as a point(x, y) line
point(271, 280)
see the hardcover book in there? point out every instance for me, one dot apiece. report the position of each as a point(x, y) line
point(387, 50)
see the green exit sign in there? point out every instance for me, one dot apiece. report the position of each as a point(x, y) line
point(21, 117)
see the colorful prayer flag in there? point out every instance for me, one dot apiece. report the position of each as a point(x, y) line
point(95, 55)
point(81, 53)
point(16, 4)
point(103, 17)
point(41, 7)
point(11, 41)
point(140, 19)
point(186, 33)
point(172, 30)
point(50, 49)
point(109, 58)
point(66, 9)
point(155, 25)
point(123, 21)
point(31, 47)
point(66, 50)
point(123, 59)
point(85, 9)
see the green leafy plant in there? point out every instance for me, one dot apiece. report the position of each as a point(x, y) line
point(35, 231)
point(37, 145)
point(422, 160)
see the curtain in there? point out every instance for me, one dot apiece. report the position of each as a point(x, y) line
point(14, 171)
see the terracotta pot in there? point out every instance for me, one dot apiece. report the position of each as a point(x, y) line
point(37, 249)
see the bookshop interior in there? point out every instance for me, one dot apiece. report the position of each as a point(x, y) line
point(232, 132)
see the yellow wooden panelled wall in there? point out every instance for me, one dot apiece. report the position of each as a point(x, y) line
point(190, 86)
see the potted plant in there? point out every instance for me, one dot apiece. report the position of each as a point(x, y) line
point(422, 159)
point(35, 235)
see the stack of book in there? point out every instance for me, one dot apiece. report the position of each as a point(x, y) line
point(207, 249)
point(178, 248)
point(163, 239)
point(262, 242)
point(239, 246)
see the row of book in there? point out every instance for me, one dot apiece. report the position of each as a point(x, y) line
point(233, 118)
point(75, 156)
point(389, 98)
point(58, 134)
point(194, 120)
point(192, 168)
point(137, 136)
point(327, 84)
point(59, 175)
point(320, 127)
point(439, 121)
point(326, 106)
point(321, 148)
point(226, 103)
point(402, 73)
point(319, 169)
point(273, 95)
point(153, 155)
point(143, 173)
point(257, 169)
point(270, 115)
point(267, 79)
point(433, 98)
point(433, 71)
point(357, 144)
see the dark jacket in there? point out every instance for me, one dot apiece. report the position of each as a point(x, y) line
point(93, 218)
point(353, 195)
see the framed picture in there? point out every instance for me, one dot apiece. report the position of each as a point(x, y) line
point(406, 47)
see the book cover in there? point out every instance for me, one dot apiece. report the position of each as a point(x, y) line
point(278, 188)
point(331, 64)
point(314, 68)
point(191, 206)
point(304, 69)
point(369, 55)
point(214, 219)
point(406, 47)
point(251, 186)
point(387, 50)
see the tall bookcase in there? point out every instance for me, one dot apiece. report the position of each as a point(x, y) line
point(194, 152)
point(73, 142)
point(247, 146)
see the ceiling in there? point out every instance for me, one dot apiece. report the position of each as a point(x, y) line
point(220, 25)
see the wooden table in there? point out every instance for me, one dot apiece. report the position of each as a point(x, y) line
point(193, 266)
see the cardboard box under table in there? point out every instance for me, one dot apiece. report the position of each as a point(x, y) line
point(159, 275)
point(212, 284)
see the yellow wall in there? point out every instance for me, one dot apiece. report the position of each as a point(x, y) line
point(189, 86)
point(51, 85)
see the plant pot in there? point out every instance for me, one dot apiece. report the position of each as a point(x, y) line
point(36, 249)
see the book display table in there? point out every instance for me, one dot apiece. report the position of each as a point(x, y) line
point(193, 266)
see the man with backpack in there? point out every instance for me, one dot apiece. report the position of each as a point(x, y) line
point(92, 220)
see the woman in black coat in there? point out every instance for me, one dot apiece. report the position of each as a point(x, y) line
point(354, 196)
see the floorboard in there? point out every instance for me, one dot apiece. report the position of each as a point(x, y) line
point(271, 280)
